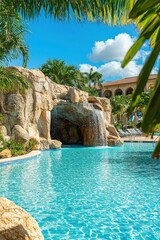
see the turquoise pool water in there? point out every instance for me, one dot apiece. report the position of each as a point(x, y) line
point(89, 193)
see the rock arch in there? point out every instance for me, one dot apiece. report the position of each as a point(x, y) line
point(32, 112)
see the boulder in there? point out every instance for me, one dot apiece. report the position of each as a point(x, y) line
point(115, 142)
point(54, 144)
point(7, 138)
point(44, 144)
point(98, 106)
point(112, 137)
point(74, 95)
point(91, 99)
point(3, 130)
point(20, 134)
point(6, 153)
point(16, 223)
point(113, 131)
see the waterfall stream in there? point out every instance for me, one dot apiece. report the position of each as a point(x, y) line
point(80, 123)
point(97, 128)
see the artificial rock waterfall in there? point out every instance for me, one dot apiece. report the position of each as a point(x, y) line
point(52, 114)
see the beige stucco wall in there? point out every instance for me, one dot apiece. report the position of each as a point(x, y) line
point(125, 86)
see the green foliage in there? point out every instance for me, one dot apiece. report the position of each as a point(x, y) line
point(12, 46)
point(30, 145)
point(1, 138)
point(91, 91)
point(1, 118)
point(61, 73)
point(120, 105)
point(111, 12)
point(93, 77)
point(16, 148)
point(12, 31)
point(12, 81)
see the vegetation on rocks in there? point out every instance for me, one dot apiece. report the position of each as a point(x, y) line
point(16, 148)
point(61, 73)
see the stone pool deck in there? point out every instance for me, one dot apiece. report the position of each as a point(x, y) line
point(28, 155)
point(141, 139)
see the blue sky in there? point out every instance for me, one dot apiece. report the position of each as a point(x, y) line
point(84, 45)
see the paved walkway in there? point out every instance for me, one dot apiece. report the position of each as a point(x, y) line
point(141, 139)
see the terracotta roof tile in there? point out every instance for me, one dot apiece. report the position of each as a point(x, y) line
point(126, 80)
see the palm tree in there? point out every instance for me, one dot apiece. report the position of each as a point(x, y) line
point(97, 80)
point(12, 31)
point(12, 45)
point(93, 77)
point(59, 72)
point(53, 69)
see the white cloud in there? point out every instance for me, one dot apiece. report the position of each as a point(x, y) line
point(86, 68)
point(111, 49)
point(113, 69)
point(112, 52)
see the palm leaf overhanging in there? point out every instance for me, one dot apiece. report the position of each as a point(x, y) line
point(12, 31)
point(12, 46)
point(110, 11)
point(12, 81)
point(146, 14)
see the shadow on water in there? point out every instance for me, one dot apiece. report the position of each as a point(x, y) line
point(136, 163)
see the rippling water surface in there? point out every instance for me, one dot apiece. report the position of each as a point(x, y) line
point(89, 193)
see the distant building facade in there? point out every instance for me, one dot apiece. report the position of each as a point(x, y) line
point(124, 86)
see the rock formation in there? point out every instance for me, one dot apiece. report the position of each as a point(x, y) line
point(49, 111)
point(15, 223)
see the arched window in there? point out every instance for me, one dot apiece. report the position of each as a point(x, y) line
point(118, 92)
point(129, 91)
point(107, 94)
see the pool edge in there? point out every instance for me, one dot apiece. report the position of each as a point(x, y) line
point(21, 157)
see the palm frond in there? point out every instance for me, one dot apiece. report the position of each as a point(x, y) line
point(12, 81)
point(12, 31)
point(110, 12)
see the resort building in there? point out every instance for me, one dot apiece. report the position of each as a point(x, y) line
point(124, 86)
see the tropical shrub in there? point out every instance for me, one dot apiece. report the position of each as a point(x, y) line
point(120, 105)
point(62, 73)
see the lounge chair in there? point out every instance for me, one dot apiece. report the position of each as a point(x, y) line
point(139, 131)
point(132, 131)
point(123, 133)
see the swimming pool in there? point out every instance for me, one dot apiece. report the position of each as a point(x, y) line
point(89, 193)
